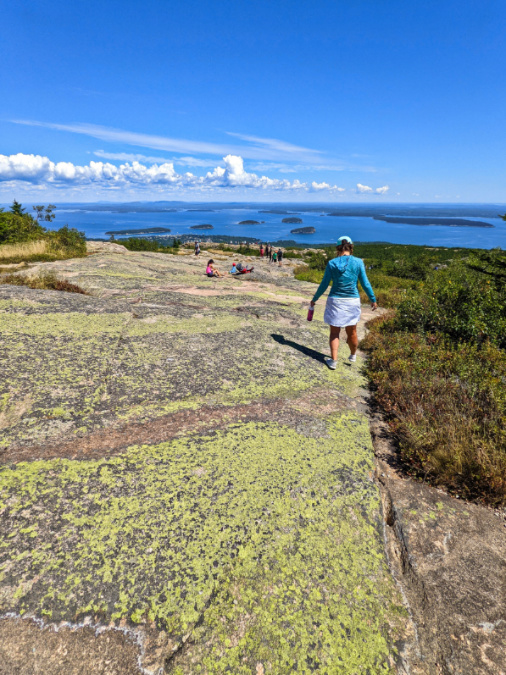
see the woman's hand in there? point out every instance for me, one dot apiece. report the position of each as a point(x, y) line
point(374, 305)
point(312, 303)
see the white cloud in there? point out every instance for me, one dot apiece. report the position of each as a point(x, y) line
point(38, 170)
point(132, 157)
point(365, 189)
point(316, 187)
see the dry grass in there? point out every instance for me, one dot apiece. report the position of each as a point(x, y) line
point(48, 281)
point(42, 250)
point(215, 251)
point(27, 249)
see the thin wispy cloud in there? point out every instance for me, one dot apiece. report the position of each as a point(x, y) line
point(258, 148)
point(275, 144)
point(295, 168)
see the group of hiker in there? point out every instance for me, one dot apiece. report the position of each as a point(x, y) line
point(343, 307)
point(275, 256)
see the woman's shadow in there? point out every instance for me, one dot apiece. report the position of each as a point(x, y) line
point(307, 351)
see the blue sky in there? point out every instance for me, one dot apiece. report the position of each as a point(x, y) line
point(328, 101)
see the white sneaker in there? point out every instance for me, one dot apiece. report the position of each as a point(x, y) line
point(331, 363)
point(352, 358)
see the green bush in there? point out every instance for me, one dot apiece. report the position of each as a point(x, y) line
point(68, 239)
point(142, 244)
point(405, 268)
point(462, 302)
point(16, 228)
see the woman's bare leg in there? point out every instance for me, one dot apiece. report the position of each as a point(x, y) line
point(351, 332)
point(334, 341)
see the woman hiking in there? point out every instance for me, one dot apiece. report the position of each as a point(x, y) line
point(343, 304)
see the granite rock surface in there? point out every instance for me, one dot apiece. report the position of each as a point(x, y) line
point(185, 487)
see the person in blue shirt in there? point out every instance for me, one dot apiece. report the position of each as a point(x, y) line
point(343, 304)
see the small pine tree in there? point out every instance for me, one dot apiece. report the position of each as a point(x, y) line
point(17, 209)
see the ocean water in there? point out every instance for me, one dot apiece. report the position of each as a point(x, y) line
point(95, 223)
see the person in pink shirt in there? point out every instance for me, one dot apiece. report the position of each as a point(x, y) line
point(211, 270)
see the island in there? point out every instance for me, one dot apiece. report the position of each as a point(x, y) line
point(205, 226)
point(446, 222)
point(303, 230)
point(279, 212)
point(249, 222)
point(292, 220)
point(144, 230)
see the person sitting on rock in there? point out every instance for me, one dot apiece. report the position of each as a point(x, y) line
point(241, 269)
point(211, 271)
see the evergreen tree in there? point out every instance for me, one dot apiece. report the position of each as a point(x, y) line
point(17, 209)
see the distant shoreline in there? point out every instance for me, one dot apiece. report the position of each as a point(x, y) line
point(423, 221)
point(141, 230)
point(427, 222)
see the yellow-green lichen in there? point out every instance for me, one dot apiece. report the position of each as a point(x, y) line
point(256, 526)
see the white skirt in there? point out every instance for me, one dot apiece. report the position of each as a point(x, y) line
point(342, 312)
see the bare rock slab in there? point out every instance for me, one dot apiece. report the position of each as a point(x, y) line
point(450, 559)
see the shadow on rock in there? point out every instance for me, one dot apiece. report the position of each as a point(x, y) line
point(307, 351)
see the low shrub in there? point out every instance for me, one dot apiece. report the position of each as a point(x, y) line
point(446, 404)
point(142, 244)
point(248, 249)
point(69, 240)
point(305, 273)
point(45, 280)
point(465, 302)
point(293, 255)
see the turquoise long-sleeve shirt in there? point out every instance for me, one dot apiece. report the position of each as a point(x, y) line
point(345, 272)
